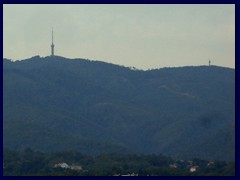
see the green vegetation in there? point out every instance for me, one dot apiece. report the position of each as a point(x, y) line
point(30, 163)
point(58, 104)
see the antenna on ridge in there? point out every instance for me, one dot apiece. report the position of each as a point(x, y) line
point(52, 35)
point(52, 46)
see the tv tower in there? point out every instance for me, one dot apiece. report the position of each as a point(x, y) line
point(52, 46)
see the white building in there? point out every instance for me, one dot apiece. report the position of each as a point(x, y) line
point(193, 168)
point(62, 165)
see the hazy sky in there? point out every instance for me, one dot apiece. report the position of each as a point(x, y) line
point(143, 36)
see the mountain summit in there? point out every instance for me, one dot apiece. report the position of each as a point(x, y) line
point(55, 104)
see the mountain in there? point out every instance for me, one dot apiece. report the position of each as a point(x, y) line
point(58, 104)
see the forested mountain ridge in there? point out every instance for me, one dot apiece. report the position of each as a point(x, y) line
point(55, 103)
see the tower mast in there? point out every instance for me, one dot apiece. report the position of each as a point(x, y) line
point(52, 46)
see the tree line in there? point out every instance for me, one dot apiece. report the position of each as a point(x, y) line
point(36, 163)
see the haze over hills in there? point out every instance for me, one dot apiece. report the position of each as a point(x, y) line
point(56, 104)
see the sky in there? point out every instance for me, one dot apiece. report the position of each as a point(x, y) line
point(140, 35)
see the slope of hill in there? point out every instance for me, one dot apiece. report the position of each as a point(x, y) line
point(55, 104)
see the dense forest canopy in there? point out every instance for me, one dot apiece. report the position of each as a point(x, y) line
point(35, 163)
